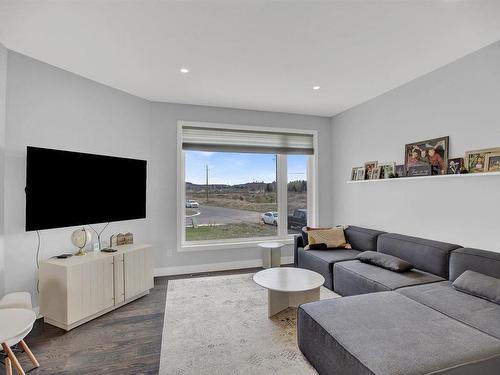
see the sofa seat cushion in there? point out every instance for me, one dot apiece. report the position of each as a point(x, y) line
point(322, 261)
point(354, 277)
point(389, 334)
point(473, 311)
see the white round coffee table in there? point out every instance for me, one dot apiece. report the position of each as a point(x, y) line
point(15, 324)
point(289, 287)
point(271, 254)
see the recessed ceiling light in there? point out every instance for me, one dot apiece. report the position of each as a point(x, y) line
point(184, 70)
point(316, 88)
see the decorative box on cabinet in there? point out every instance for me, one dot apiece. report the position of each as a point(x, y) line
point(81, 288)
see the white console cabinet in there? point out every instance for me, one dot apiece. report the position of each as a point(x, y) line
point(78, 289)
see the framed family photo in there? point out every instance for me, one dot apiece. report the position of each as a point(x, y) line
point(387, 169)
point(427, 155)
point(369, 167)
point(360, 174)
point(475, 161)
point(354, 173)
point(375, 173)
point(400, 170)
point(493, 162)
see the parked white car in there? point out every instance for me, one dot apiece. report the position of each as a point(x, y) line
point(269, 218)
point(192, 204)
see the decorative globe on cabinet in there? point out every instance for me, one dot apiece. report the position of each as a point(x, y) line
point(80, 238)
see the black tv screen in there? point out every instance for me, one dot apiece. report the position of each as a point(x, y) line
point(66, 188)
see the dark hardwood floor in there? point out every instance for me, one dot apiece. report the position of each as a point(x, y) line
point(124, 341)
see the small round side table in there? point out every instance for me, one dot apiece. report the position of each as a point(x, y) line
point(271, 254)
point(15, 324)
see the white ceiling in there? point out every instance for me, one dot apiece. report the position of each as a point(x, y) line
point(254, 54)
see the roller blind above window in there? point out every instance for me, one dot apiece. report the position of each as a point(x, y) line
point(241, 140)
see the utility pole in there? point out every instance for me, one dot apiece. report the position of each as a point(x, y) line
point(206, 176)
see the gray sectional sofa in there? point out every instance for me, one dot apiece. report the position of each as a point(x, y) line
point(400, 323)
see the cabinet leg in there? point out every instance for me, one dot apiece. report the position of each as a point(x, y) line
point(13, 358)
point(29, 353)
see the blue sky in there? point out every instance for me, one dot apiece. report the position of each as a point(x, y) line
point(232, 168)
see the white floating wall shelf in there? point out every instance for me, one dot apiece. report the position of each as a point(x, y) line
point(465, 175)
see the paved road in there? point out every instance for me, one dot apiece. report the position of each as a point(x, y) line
point(221, 215)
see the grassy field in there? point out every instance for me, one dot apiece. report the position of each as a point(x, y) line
point(242, 230)
point(257, 202)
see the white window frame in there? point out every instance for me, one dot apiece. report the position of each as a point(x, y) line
point(282, 183)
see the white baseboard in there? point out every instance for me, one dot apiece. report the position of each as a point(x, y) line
point(212, 267)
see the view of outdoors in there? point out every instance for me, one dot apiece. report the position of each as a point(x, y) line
point(233, 195)
point(297, 192)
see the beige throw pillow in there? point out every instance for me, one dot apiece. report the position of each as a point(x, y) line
point(332, 238)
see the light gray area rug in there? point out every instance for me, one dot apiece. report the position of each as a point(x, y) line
point(219, 325)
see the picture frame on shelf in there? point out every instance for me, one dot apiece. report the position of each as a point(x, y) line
point(375, 173)
point(493, 162)
point(455, 166)
point(369, 165)
point(360, 174)
point(475, 161)
point(432, 152)
point(400, 170)
point(386, 169)
point(354, 173)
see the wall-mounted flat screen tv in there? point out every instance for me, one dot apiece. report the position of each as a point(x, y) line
point(65, 188)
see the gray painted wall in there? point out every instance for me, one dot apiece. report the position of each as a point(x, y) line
point(460, 100)
point(3, 87)
point(52, 108)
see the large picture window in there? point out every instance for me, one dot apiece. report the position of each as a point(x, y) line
point(244, 185)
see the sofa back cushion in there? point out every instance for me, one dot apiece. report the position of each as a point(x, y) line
point(362, 239)
point(482, 261)
point(426, 255)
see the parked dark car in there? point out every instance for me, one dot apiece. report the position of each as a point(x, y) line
point(298, 219)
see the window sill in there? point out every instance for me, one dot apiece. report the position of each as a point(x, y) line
point(241, 244)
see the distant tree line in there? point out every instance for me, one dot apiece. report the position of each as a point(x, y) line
point(299, 186)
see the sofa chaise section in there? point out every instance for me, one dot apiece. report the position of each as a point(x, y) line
point(389, 334)
point(430, 258)
point(322, 261)
point(471, 310)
